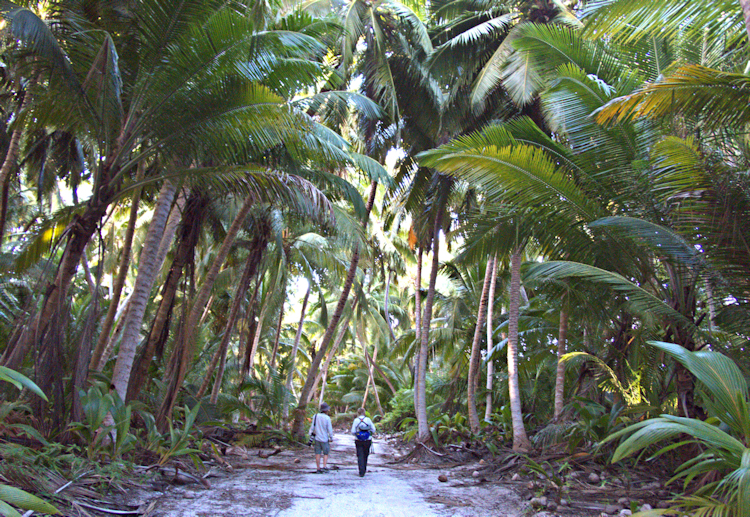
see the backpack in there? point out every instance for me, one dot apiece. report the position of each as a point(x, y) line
point(363, 430)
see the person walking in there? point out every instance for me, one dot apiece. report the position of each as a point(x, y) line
point(362, 429)
point(321, 433)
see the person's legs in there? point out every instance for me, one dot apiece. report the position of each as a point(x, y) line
point(361, 457)
point(325, 449)
point(319, 451)
point(365, 452)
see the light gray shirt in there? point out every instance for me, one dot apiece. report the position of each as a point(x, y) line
point(322, 428)
point(362, 420)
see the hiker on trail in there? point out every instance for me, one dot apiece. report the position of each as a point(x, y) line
point(321, 433)
point(362, 429)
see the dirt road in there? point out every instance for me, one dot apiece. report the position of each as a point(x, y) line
point(277, 486)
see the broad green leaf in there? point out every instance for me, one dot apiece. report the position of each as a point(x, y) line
point(25, 500)
point(20, 381)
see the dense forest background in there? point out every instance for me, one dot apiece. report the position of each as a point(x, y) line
point(519, 223)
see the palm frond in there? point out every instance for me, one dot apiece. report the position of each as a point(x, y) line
point(625, 21)
point(692, 90)
point(639, 300)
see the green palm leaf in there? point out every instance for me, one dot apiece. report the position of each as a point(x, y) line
point(717, 98)
point(723, 380)
point(628, 20)
point(639, 300)
point(25, 500)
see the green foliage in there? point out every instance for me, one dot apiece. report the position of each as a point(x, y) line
point(20, 498)
point(15, 496)
point(402, 407)
point(106, 426)
point(178, 441)
point(722, 437)
point(20, 381)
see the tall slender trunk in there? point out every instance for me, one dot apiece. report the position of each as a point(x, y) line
point(417, 324)
point(490, 362)
point(474, 360)
point(520, 440)
point(187, 346)
point(11, 155)
point(332, 352)
point(386, 301)
point(299, 412)
point(147, 270)
point(562, 339)
point(256, 336)
point(239, 295)
point(293, 359)
point(276, 339)
point(122, 274)
point(371, 361)
point(80, 232)
point(192, 220)
point(423, 427)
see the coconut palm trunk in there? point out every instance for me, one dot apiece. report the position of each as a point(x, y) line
point(490, 362)
point(80, 233)
point(474, 361)
point(293, 359)
point(562, 342)
point(300, 411)
point(371, 379)
point(147, 270)
point(251, 267)
point(189, 232)
point(520, 440)
point(256, 336)
point(423, 428)
point(122, 273)
point(11, 155)
point(186, 348)
point(417, 323)
point(323, 374)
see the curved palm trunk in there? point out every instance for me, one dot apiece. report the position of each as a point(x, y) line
point(371, 379)
point(473, 380)
point(147, 270)
point(256, 336)
point(490, 363)
point(192, 219)
point(323, 374)
point(186, 349)
point(299, 412)
point(307, 389)
point(423, 427)
point(562, 342)
point(80, 232)
point(520, 440)
point(122, 273)
point(221, 352)
point(293, 360)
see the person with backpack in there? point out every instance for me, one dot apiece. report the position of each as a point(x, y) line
point(321, 434)
point(362, 429)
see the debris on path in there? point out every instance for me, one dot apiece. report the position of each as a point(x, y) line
point(276, 485)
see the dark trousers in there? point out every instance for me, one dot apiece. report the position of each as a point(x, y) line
point(363, 451)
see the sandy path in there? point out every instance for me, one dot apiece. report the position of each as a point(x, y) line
point(279, 487)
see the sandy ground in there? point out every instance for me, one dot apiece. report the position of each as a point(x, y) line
point(277, 486)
